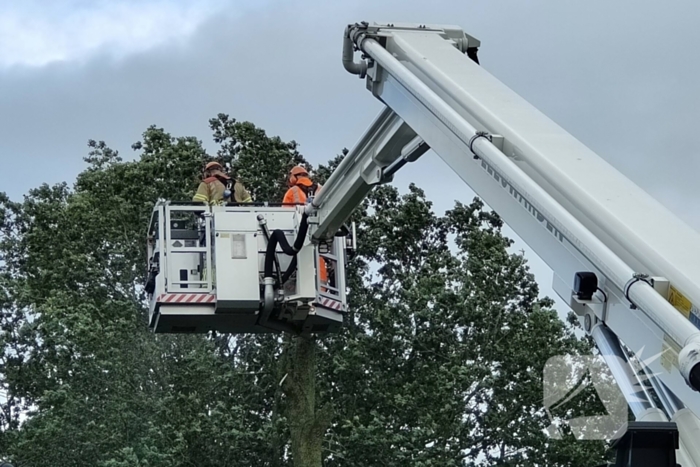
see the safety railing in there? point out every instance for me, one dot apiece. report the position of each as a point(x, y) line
point(333, 288)
point(187, 240)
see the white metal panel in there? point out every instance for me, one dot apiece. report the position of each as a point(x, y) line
point(277, 218)
point(237, 281)
point(238, 221)
point(306, 277)
point(306, 266)
point(608, 200)
point(187, 262)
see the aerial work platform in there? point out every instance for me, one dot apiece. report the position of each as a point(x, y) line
point(242, 269)
point(625, 265)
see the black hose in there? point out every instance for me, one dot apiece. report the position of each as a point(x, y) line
point(303, 228)
point(290, 270)
point(277, 237)
point(278, 269)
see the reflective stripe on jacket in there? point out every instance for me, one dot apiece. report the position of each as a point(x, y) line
point(295, 195)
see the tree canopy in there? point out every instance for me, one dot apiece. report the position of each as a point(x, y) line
point(440, 363)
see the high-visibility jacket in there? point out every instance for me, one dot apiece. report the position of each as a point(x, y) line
point(211, 191)
point(296, 195)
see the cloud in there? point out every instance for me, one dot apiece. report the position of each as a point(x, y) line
point(35, 33)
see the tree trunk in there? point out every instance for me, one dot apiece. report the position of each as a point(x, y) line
point(278, 442)
point(307, 425)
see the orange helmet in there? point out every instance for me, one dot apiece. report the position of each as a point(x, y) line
point(299, 176)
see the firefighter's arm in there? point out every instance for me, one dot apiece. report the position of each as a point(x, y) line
point(202, 194)
point(241, 194)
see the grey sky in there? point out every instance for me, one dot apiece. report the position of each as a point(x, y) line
point(620, 76)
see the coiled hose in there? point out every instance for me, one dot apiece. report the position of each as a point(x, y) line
point(277, 237)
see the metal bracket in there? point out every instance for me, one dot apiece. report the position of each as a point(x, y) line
point(479, 134)
point(637, 277)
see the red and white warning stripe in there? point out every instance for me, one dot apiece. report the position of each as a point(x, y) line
point(187, 298)
point(329, 303)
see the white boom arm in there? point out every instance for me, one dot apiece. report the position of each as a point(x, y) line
point(575, 210)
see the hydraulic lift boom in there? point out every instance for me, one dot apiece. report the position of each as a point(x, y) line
point(626, 266)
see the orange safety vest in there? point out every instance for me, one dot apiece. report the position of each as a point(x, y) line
point(297, 195)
